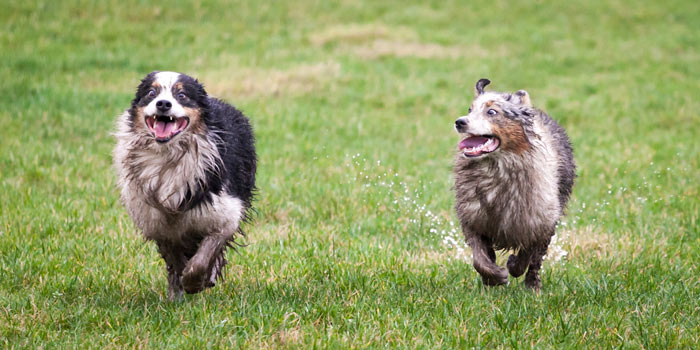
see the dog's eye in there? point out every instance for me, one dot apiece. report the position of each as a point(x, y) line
point(492, 112)
point(182, 96)
point(470, 110)
point(151, 93)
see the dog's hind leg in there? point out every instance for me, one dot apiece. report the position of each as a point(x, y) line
point(205, 265)
point(532, 278)
point(175, 262)
point(484, 258)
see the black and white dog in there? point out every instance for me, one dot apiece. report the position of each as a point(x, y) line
point(186, 164)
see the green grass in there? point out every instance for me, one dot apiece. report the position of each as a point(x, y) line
point(353, 106)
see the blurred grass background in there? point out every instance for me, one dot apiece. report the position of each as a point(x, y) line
point(353, 244)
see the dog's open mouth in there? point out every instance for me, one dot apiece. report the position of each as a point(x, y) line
point(164, 127)
point(476, 145)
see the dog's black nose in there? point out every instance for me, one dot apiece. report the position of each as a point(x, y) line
point(164, 105)
point(460, 122)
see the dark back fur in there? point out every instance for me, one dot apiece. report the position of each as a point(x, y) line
point(236, 148)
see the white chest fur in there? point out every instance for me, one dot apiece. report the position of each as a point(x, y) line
point(155, 179)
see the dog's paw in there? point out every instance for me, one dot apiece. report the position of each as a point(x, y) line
point(500, 277)
point(195, 278)
point(533, 282)
point(515, 269)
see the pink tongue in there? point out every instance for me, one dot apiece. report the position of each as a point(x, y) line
point(473, 142)
point(164, 129)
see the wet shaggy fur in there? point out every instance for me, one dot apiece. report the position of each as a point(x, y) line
point(186, 190)
point(512, 197)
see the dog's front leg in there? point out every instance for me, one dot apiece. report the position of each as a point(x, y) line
point(198, 273)
point(485, 262)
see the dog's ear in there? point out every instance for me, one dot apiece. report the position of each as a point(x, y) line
point(201, 95)
point(480, 86)
point(149, 78)
point(524, 98)
point(144, 86)
point(200, 89)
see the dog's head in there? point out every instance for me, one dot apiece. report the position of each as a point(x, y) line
point(496, 122)
point(168, 104)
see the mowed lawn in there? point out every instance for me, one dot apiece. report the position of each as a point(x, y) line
point(354, 243)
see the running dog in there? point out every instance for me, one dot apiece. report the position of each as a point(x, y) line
point(514, 174)
point(186, 164)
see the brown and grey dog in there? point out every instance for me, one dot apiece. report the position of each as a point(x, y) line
point(186, 164)
point(514, 173)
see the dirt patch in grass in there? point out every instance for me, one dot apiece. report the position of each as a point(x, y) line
point(359, 33)
point(589, 242)
point(259, 82)
point(585, 241)
point(382, 48)
point(373, 41)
